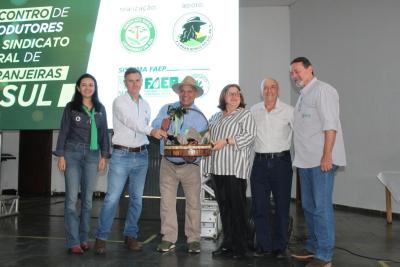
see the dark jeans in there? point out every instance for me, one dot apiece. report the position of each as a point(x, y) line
point(271, 175)
point(230, 193)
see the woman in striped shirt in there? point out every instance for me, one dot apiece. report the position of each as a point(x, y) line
point(232, 131)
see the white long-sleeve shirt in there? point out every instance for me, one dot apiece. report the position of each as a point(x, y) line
point(131, 121)
point(274, 128)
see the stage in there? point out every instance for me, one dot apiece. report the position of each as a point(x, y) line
point(35, 237)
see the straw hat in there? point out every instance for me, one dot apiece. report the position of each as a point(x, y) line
point(188, 80)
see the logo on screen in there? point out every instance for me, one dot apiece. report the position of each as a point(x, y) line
point(192, 32)
point(203, 82)
point(138, 34)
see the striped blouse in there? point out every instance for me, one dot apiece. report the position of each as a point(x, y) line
point(232, 159)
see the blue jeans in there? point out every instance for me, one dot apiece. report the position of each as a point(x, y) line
point(316, 200)
point(124, 165)
point(80, 172)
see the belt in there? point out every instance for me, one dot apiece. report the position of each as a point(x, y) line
point(177, 163)
point(182, 163)
point(130, 149)
point(273, 155)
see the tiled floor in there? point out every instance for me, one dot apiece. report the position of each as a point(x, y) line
point(36, 238)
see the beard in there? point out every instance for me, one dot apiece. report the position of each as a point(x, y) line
point(299, 83)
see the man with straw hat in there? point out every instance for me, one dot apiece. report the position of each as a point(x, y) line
point(184, 170)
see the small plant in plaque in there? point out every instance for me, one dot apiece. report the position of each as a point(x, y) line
point(176, 114)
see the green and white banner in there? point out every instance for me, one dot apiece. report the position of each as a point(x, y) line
point(47, 44)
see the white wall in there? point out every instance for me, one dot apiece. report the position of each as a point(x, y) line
point(354, 45)
point(264, 34)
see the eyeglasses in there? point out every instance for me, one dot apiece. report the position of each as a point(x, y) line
point(233, 94)
point(272, 87)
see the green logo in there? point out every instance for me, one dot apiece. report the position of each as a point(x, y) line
point(203, 82)
point(138, 34)
point(192, 32)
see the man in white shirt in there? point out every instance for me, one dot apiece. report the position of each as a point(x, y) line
point(272, 171)
point(131, 117)
point(319, 151)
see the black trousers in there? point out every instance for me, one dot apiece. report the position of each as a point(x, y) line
point(271, 175)
point(230, 193)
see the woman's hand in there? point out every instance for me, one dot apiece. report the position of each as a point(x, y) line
point(61, 164)
point(102, 165)
point(219, 144)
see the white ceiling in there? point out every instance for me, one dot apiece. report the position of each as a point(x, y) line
point(255, 3)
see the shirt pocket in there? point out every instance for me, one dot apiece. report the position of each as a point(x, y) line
point(99, 118)
point(311, 119)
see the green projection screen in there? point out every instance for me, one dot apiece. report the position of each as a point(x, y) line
point(45, 45)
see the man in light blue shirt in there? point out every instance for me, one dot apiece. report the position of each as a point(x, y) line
point(319, 151)
point(175, 170)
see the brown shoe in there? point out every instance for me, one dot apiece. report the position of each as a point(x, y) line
point(303, 255)
point(75, 250)
point(132, 244)
point(319, 263)
point(100, 246)
point(85, 246)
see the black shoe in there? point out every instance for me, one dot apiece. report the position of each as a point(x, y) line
point(280, 254)
point(239, 256)
point(221, 252)
point(261, 253)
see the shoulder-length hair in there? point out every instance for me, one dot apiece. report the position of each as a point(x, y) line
point(222, 103)
point(77, 98)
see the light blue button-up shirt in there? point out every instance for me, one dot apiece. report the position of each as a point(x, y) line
point(316, 111)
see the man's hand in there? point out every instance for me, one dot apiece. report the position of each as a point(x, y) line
point(61, 164)
point(158, 133)
point(165, 123)
point(102, 165)
point(326, 162)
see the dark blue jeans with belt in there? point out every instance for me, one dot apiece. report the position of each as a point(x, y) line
point(272, 172)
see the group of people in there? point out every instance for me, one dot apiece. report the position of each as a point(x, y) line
point(235, 132)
